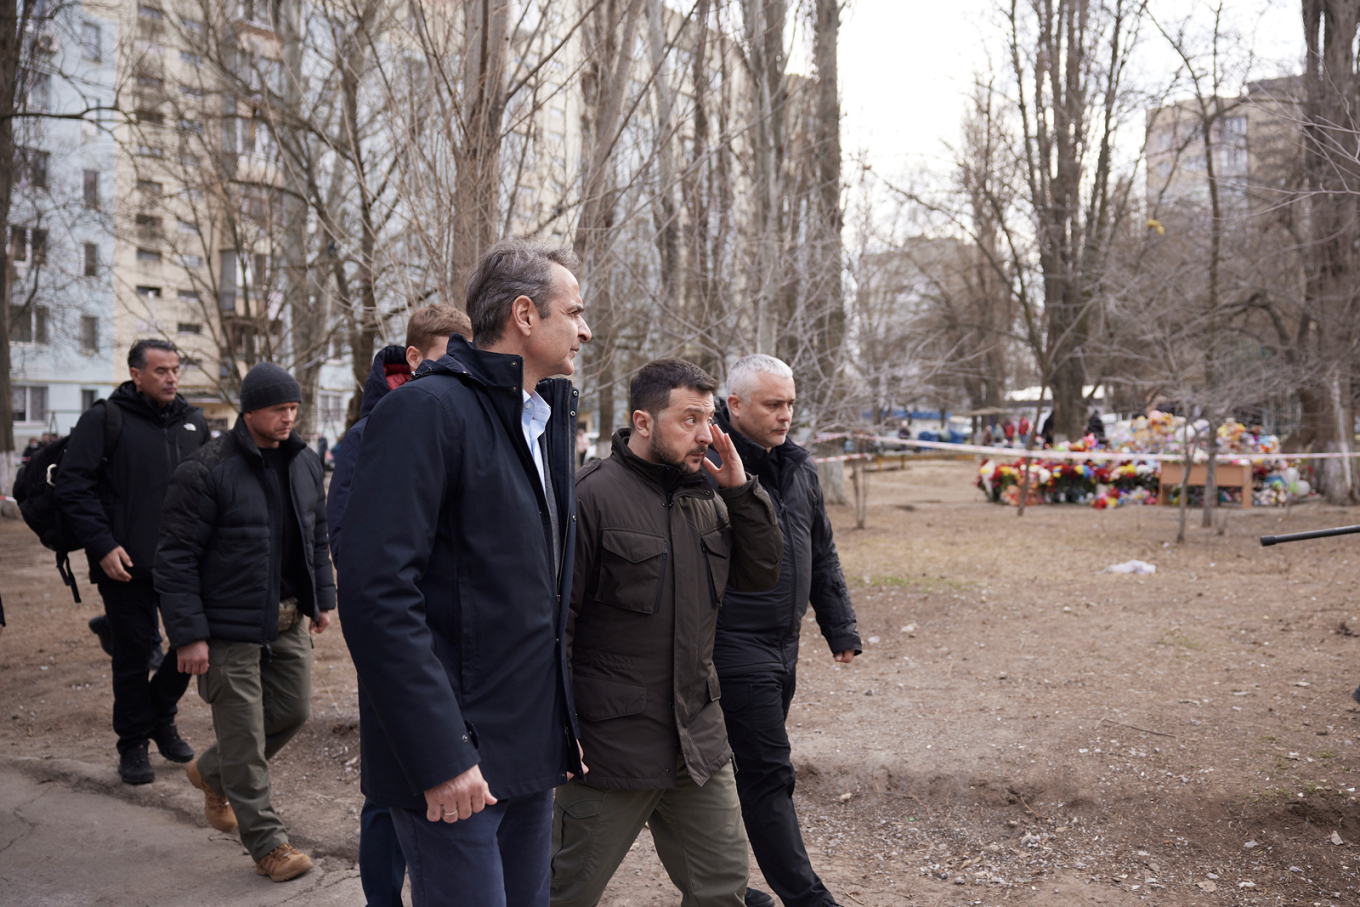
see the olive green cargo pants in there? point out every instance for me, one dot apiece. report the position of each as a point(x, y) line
point(259, 701)
point(698, 833)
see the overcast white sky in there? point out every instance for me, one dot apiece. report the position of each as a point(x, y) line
point(906, 67)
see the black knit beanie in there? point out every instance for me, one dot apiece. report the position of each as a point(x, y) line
point(267, 384)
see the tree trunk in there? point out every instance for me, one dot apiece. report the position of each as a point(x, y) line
point(12, 33)
point(477, 158)
point(827, 293)
point(1331, 293)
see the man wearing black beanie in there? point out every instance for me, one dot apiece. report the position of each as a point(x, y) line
point(233, 610)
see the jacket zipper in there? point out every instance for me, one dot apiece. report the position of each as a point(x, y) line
point(665, 554)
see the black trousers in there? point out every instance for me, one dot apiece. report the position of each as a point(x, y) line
point(756, 707)
point(142, 704)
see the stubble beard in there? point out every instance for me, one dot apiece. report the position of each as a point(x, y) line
point(663, 455)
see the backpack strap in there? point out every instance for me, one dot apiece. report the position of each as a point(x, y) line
point(113, 426)
point(68, 576)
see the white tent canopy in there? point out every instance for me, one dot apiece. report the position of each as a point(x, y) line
point(1031, 394)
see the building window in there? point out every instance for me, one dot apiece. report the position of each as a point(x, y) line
point(150, 187)
point(18, 244)
point(40, 93)
point(28, 326)
point(88, 396)
point(30, 403)
point(189, 296)
point(92, 189)
point(149, 292)
point(186, 226)
point(149, 255)
point(145, 150)
point(191, 261)
point(189, 327)
point(148, 223)
point(89, 42)
point(34, 166)
point(91, 260)
point(146, 80)
point(89, 334)
point(39, 243)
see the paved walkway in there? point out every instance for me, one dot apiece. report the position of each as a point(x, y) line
point(62, 846)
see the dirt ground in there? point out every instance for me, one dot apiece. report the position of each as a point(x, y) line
point(1021, 729)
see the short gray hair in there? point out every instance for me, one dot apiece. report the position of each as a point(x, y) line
point(510, 269)
point(741, 377)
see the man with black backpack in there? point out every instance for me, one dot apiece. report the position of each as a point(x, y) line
point(110, 490)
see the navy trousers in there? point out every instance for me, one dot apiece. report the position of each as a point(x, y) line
point(756, 707)
point(381, 864)
point(499, 857)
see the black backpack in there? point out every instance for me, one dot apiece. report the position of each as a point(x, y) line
point(34, 489)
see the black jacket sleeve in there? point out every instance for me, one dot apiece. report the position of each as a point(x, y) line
point(757, 540)
point(323, 577)
point(187, 520)
point(78, 480)
point(829, 596)
point(399, 490)
point(341, 477)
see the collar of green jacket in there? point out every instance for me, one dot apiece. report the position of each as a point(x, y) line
point(670, 478)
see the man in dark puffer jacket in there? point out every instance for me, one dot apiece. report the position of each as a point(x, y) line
point(243, 557)
point(756, 650)
point(111, 499)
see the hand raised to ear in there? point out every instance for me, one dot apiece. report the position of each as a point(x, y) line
point(731, 473)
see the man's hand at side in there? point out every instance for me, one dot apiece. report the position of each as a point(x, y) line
point(193, 658)
point(846, 657)
point(459, 797)
point(113, 563)
point(323, 620)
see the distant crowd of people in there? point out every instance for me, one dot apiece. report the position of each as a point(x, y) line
point(549, 659)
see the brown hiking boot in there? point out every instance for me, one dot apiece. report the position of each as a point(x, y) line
point(283, 863)
point(215, 806)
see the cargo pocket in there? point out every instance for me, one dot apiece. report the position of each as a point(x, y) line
point(717, 547)
point(632, 570)
point(714, 688)
point(210, 684)
point(599, 698)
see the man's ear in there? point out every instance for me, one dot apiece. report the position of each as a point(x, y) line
point(642, 422)
point(414, 356)
point(523, 313)
point(734, 405)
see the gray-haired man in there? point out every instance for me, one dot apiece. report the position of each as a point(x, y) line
point(756, 650)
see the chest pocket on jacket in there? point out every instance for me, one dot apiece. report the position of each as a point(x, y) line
point(632, 570)
point(717, 547)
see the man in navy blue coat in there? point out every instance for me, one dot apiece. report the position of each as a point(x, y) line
point(456, 560)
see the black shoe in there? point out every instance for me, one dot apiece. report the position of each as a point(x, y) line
point(757, 898)
point(134, 767)
point(171, 745)
point(99, 626)
point(153, 664)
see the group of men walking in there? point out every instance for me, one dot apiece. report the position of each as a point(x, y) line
point(548, 660)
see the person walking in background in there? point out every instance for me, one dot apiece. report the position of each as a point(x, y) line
point(655, 549)
point(1008, 429)
point(1022, 430)
point(381, 864)
point(113, 478)
point(756, 650)
point(427, 337)
point(455, 559)
point(242, 560)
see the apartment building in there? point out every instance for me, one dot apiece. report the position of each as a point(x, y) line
point(1253, 147)
point(62, 340)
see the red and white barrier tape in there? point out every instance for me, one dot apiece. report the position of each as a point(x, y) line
point(842, 459)
point(1039, 453)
